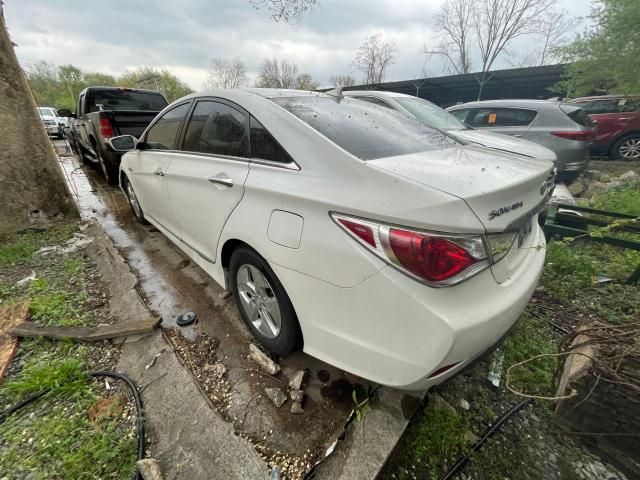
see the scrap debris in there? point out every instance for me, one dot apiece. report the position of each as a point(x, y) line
point(276, 395)
point(266, 364)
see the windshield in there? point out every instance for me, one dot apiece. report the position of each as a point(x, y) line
point(126, 100)
point(365, 130)
point(50, 112)
point(430, 113)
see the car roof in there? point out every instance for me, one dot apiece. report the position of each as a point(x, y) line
point(599, 97)
point(509, 103)
point(282, 92)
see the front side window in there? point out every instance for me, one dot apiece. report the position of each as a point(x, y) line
point(264, 146)
point(502, 117)
point(218, 129)
point(363, 130)
point(163, 134)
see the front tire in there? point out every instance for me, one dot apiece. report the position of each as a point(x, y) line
point(627, 148)
point(263, 302)
point(136, 208)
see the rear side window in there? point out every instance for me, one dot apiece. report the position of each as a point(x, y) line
point(264, 146)
point(501, 117)
point(218, 129)
point(363, 130)
point(576, 114)
point(125, 100)
point(162, 135)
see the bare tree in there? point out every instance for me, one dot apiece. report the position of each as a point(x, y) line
point(374, 57)
point(498, 22)
point(290, 11)
point(342, 81)
point(226, 74)
point(274, 74)
point(32, 180)
point(455, 23)
point(553, 29)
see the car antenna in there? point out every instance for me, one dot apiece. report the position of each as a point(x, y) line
point(336, 92)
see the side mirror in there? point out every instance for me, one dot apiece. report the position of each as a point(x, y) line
point(123, 143)
point(65, 112)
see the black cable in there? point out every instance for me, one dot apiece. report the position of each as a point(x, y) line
point(100, 373)
point(462, 461)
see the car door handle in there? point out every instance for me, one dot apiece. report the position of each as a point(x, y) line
point(159, 172)
point(226, 181)
point(624, 119)
point(516, 135)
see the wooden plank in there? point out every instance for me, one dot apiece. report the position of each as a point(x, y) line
point(10, 315)
point(86, 334)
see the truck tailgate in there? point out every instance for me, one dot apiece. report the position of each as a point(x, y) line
point(131, 122)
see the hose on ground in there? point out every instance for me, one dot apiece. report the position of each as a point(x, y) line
point(100, 373)
point(462, 461)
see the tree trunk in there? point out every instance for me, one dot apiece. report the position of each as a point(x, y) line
point(31, 181)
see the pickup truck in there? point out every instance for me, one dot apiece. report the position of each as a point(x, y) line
point(105, 112)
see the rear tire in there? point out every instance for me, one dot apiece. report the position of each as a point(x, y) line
point(263, 302)
point(109, 170)
point(136, 208)
point(627, 148)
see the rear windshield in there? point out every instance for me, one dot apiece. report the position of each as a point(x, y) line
point(576, 114)
point(125, 100)
point(365, 130)
point(47, 111)
point(431, 114)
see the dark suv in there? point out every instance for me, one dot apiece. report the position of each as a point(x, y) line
point(617, 120)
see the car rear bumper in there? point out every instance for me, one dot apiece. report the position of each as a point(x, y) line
point(396, 331)
point(52, 129)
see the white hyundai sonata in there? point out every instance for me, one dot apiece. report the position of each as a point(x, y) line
point(368, 239)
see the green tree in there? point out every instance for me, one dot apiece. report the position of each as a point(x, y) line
point(306, 82)
point(71, 83)
point(606, 57)
point(155, 79)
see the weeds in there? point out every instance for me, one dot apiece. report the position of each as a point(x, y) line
point(65, 377)
point(624, 199)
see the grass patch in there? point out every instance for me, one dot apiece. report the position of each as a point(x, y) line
point(531, 337)
point(623, 199)
point(20, 247)
point(55, 437)
point(436, 437)
point(568, 269)
point(66, 377)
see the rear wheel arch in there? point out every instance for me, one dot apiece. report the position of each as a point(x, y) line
point(615, 145)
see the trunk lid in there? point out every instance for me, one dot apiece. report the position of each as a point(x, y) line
point(504, 191)
point(498, 187)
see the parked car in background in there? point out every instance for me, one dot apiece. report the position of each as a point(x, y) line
point(561, 127)
point(105, 112)
point(618, 125)
point(439, 118)
point(375, 242)
point(53, 124)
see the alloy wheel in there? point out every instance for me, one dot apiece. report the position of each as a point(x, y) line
point(258, 301)
point(630, 149)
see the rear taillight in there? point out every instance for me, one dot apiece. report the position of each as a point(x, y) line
point(433, 258)
point(579, 135)
point(106, 130)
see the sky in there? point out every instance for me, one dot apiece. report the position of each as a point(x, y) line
point(184, 35)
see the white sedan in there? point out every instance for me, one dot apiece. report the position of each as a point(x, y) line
point(370, 240)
